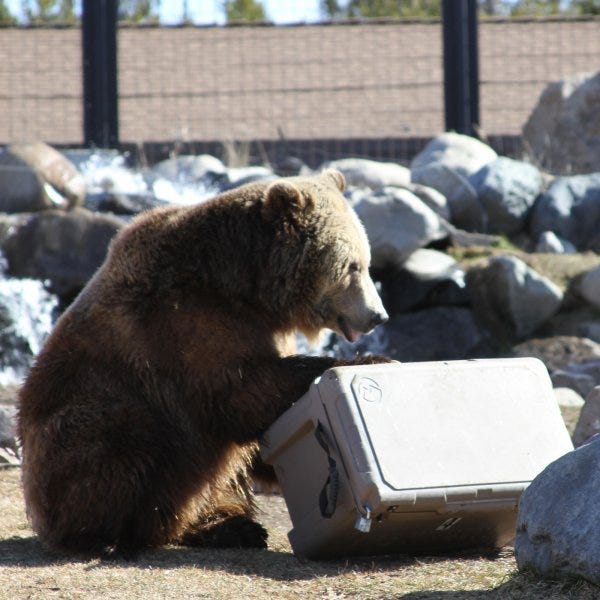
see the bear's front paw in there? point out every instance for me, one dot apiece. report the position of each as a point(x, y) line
point(373, 360)
point(235, 532)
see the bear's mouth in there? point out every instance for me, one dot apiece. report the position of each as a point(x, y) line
point(350, 334)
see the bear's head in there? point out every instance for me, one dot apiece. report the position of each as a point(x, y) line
point(322, 257)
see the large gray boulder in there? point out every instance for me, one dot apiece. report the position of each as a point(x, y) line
point(446, 164)
point(511, 298)
point(36, 176)
point(557, 526)
point(570, 208)
point(427, 278)
point(64, 248)
point(361, 172)
point(589, 329)
point(465, 210)
point(463, 154)
point(507, 189)
point(397, 223)
point(563, 131)
point(435, 200)
point(588, 287)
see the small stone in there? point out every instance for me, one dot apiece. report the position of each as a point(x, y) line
point(566, 397)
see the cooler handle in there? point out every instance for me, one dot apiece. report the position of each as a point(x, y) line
point(329, 494)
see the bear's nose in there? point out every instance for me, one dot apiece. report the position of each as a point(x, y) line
point(378, 318)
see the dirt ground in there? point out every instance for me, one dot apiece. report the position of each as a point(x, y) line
point(27, 571)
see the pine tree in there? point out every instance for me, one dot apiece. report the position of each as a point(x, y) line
point(380, 8)
point(6, 16)
point(49, 11)
point(586, 7)
point(139, 10)
point(538, 8)
point(331, 9)
point(244, 10)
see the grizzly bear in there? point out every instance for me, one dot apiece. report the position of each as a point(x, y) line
point(139, 420)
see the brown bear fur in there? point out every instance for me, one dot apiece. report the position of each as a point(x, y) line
point(140, 418)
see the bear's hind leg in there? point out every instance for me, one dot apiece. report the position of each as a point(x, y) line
point(226, 519)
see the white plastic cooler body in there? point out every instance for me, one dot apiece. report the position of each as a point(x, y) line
point(414, 457)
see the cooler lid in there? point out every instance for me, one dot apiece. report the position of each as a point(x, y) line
point(458, 423)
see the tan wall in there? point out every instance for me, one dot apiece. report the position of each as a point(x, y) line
point(247, 83)
point(40, 85)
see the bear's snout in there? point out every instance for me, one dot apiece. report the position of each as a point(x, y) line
point(378, 318)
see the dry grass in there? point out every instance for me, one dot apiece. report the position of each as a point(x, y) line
point(26, 571)
point(562, 269)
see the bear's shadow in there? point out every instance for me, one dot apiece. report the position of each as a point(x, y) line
point(273, 564)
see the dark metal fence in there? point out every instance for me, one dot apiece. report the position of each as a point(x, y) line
point(374, 88)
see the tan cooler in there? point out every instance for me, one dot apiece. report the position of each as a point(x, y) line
point(415, 457)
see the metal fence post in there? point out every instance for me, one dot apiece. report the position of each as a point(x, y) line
point(461, 70)
point(100, 101)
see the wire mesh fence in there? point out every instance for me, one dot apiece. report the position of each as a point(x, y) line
point(320, 91)
point(281, 83)
point(40, 85)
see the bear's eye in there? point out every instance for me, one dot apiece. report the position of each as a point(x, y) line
point(354, 267)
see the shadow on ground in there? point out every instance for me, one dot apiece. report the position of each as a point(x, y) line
point(279, 565)
point(285, 567)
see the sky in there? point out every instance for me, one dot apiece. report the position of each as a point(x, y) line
point(209, 11)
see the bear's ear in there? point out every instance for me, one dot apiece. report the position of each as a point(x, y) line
point(337, 178)
point(283, 198)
